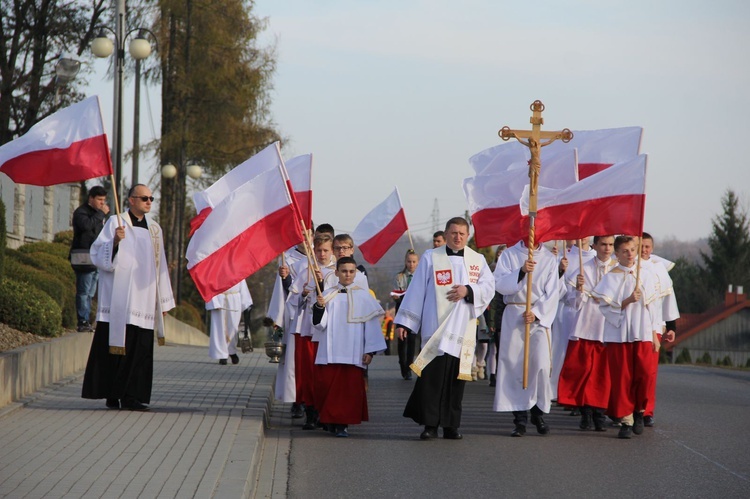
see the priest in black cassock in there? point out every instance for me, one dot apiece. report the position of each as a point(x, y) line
point(450, 289)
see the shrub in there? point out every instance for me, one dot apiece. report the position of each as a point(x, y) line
point(188, 314)
point(747, 364)
point(726, 361)
point(2, 236)
point(26, 308)
point(59, 267)
point(705, 359)
point(63, 294)
point(57, 249)
point(65, 237)
point(684, 357)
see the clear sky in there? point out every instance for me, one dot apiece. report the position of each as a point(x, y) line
point(403, 92)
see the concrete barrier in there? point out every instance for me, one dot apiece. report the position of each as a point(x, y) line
point(28, 369)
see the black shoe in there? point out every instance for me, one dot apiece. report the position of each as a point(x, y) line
point(599, 420)
point(407, 376)
point(638, 423)
point(235, 358)
point(134, 405)
point(586, 418)
point(493, 380)
point(648, 421)
point(223, 362)
point(311, 420)
point(113, 404)
point(429, 433)
point(575, 411)
point(541, 426)
point(626, 431)
point(452, 434)
point(298, 410)
point(518, 431)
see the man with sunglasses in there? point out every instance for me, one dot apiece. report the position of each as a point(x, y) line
point(134, 294)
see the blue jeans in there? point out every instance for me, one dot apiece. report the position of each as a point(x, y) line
point(85, 290)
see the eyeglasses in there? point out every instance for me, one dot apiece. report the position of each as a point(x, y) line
point(144, 198)
point(342, 248)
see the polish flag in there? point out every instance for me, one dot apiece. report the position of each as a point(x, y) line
point(494, 199)
point(494, 206)
point(267, 159)
point(609, 202)
point(67, 146)
point(248, 229)
point(597, 150)
point(381, 228)
point(299, 169)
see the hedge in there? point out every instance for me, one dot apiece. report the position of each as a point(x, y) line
point(188, 314)
point(65, 237)
point(60, 291)
point(27, 308)
point(57, 249)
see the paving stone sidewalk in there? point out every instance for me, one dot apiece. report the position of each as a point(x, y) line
point(202, 438)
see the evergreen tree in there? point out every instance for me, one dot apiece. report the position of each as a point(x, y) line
point(692, 296)
point(729, 259)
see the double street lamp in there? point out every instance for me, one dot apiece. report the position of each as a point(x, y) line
point(139, 49)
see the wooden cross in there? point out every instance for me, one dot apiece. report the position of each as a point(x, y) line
point(534, 142)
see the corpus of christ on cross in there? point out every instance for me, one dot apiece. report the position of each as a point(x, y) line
point(534, 142)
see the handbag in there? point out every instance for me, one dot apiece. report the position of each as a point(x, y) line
point(80, 260)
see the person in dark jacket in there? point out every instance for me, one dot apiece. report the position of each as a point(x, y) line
point(88, 220)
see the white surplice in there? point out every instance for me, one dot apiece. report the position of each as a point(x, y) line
point(509, 393)
point(637, 321)
point(342, 336)
point(134, 286)
point(589, 321)
point(419, 311)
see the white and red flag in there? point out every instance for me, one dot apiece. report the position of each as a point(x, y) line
point(597, 150)
point(609, 202)
point(67, 146)
point(267, 159)
point(381, 228)
point(299, 169)
point(494, 198)
point(249, 228)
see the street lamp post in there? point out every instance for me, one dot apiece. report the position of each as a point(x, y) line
point(139, 48)
point(195, 172)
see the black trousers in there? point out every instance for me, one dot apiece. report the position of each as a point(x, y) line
point(437, 395)
point(406, 352)
point(124, 377)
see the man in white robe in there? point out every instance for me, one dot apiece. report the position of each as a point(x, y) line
point(226, 310)
point(667, 308)
point(134, 294)
point(511, 277)
point(285, 389)
point(451, 288)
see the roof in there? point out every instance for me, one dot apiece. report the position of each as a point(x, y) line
point(691, 324)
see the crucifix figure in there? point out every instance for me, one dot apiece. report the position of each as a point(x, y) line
point(534, 142)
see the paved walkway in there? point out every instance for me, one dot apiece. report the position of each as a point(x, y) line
point(202, 438)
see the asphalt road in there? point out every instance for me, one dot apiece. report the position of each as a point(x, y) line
point(699, 447)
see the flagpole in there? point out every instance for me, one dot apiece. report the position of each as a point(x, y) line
point(534, 137)
point(305, 233)
point(580, 257)
point(408, 232)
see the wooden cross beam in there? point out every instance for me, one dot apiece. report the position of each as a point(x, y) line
point(534, 142)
